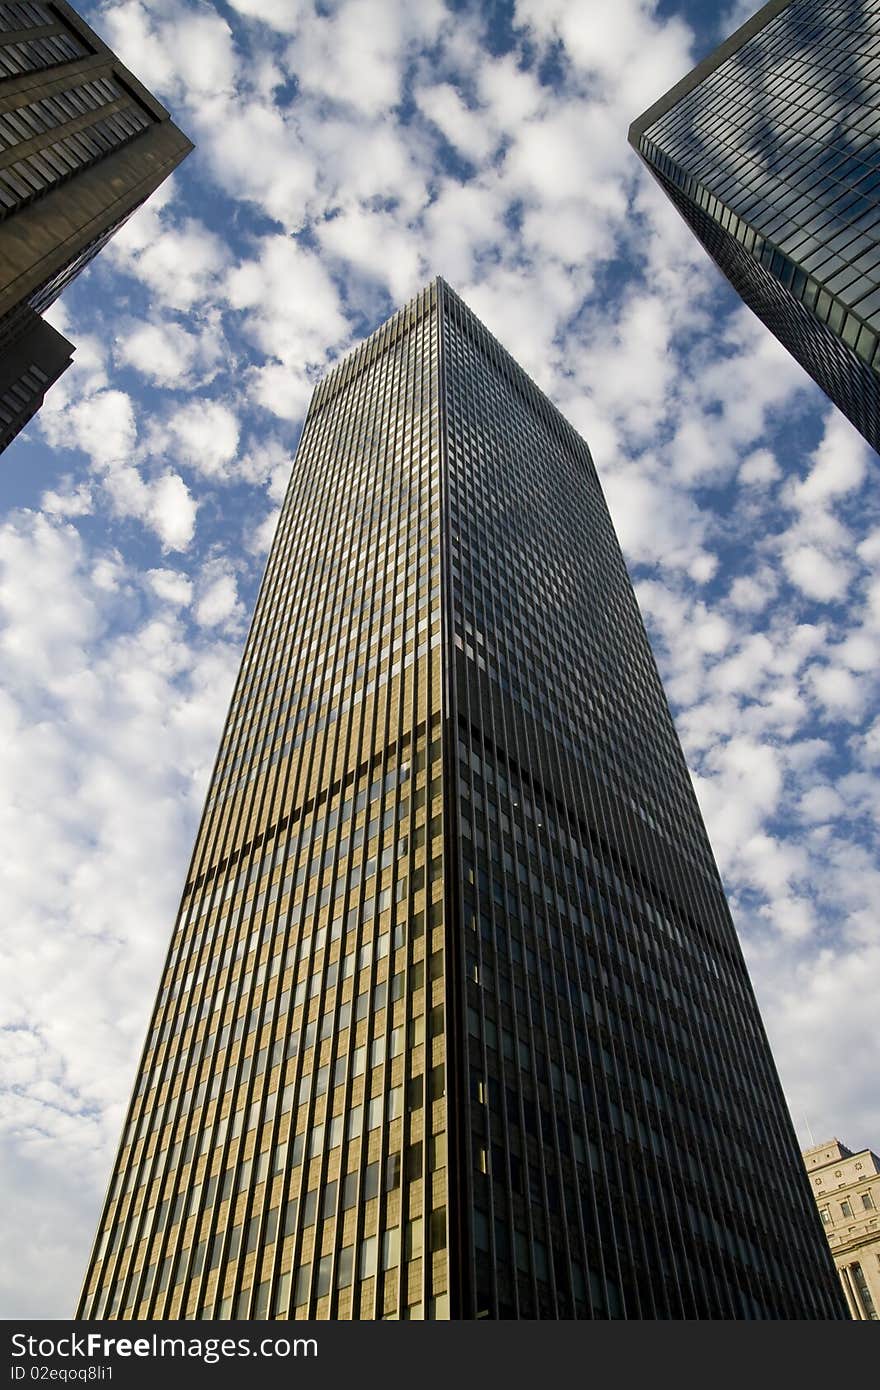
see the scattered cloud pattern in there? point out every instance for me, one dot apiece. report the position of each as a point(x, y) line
point(348, 151)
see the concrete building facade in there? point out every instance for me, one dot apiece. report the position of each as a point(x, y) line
point(846, 1187)
point(82, 144)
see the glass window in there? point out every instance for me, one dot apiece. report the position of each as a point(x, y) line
point(369, 1251)
point(391, 1248)
point(324, 1268)
point(303, 1281)
point(392, 1172)
point(438, 1229)
point(344, 1266)
point(371, 1181)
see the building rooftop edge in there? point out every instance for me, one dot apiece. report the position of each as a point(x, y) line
point(708, 64)
point(825, 1144)
point(102, 48)
point(847, 1152)
point(337, 366)
point(438, 286)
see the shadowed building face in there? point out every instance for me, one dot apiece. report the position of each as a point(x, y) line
point(770, 149)
point(454, 1021)
point(82, 144)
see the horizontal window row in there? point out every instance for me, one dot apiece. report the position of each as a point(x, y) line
point(38, 172)
point(30, 55)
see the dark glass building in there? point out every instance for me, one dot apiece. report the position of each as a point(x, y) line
point(82, 144)
point(770, 149)
point(454, 1021)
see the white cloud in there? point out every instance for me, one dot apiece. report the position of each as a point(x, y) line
point(259, 538)
point(111, 715)
point(183, 54)
point(165, 504)
point(816, 574)
point(217, 605)
point(794, 918)
point(623, 47)
point(284, 15)
point(204, 436)
point(104, 426)
point(372, 239)
point(733, 16)
point(280, 389)
point(292, 305)
point(267, 461)
point(744, 790)
point(760, 467)
point(462, 126)
point(747, 668)
point(839, 465)
point(841, 693)
point(313, 203)
point(860, 651)
point(821, 803)
point(655, 524)
point(354, 54)
point(76, 502)
point(868, 550)
point(257, 151)
point(181, 264)
point(811, 1003)
point(751, 593)
point(172, 510)
point(167, 354)
point(171, 586)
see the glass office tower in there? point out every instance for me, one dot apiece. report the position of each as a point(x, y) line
point(454, 1022)
point(770, 149)
point(82, 144)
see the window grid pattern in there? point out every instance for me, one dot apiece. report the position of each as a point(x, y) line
point(846, 1188)
point(778, 146)
point(820, 351)
point(616, 1080)
point(856, 1286)
point(23, 14)
point(82, 144)
point(33, 38)
point(454, 1021)
point(284, 1154)
point(20, 401)
point(45, 141)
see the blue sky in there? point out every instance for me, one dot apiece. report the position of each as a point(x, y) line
point(346, 153)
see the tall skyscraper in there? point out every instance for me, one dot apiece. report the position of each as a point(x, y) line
point(82, 144)
point(454, 1021)
point(769, 149)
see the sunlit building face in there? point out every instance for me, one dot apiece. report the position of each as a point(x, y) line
point(454, 1021)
